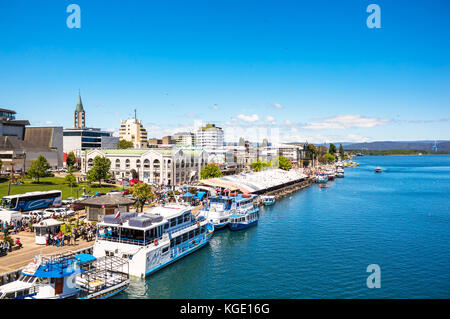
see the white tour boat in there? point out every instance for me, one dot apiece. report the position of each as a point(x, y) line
point(153, 239)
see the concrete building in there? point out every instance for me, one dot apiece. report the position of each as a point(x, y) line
point(132, 130)
point(209, 136)
point(153, 166)
point(9, 126)
point(17, 155)
point(184, 138)
point(47, 138)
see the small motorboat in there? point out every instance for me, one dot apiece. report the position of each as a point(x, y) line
point(268, 200)
point(378, 170)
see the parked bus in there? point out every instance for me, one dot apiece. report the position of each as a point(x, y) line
point(32, 201)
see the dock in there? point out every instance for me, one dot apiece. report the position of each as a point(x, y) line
point(12, 264)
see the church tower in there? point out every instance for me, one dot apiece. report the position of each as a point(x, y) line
point(79, 118)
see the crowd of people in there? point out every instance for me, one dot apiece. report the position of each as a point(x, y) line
point(68, 237)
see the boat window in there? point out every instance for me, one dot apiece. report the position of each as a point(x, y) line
point(172, 243)
point(186, 217)
point(197, 231)
point(166, 225)
point(202, 229)
point(173, 222)
point(191, 234)
point(165, 250)
point(185, 237)
point(178, 240)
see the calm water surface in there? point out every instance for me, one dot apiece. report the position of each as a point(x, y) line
point(318, 243)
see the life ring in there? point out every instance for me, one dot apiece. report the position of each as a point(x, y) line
point(198, 224)
point(155, 241)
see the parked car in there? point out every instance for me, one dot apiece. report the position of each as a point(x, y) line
point(59, 212)
point(99, 194)
point(126, 191)
point(76, 205)
point(68, 201)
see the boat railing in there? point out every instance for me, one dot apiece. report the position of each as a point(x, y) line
point(124, 240)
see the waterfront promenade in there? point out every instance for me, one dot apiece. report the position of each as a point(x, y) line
point(20, 258)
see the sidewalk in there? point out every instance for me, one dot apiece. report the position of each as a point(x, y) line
point(19, 258)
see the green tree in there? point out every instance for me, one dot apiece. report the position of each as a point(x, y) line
point(210, 171)
point(142, 192)
point(311, 151)
point(71, 160)
point(332, 149)
point(257, 165)
point(123, 144)
point(38, 168)
point(70, 178)
point(100, 170)
point(327, 158)
point(341, 151)
point(284, 163)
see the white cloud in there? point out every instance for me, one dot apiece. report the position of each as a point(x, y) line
point(342, 122)
point(190, 115)
point(270, 119)
point(276, 106)
point(248, 118)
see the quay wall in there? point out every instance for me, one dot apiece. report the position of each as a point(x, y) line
point(286, 189)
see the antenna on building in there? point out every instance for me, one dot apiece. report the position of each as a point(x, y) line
point(135, 114)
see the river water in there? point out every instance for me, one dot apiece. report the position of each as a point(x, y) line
point(317, 243)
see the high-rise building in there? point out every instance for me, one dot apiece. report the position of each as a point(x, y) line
point(209, 136)
point(132, 130)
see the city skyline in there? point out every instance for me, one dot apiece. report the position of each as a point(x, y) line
point(309, 72)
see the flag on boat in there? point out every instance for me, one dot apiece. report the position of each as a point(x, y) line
point(117, 215)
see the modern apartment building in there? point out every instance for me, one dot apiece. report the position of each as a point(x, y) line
point(209, 136)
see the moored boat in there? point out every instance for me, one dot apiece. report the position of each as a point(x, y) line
point(378, 170)
point(321, 177)
point(154, 239)
point(339, 172)
point(268, 200)
point(69, 275)
point(247, 213)
point(218, 211)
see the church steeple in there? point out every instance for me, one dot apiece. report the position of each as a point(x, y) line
point(79, 118)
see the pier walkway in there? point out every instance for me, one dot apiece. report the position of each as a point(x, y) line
point(20, 258)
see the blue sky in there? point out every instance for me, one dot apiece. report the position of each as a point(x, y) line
point(301, 70)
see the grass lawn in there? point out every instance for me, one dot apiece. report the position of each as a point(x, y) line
point(52, 183)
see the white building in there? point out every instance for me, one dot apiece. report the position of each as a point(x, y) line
point(209, 136)
point(158, 166)
point(184, 138)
